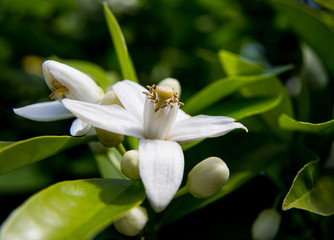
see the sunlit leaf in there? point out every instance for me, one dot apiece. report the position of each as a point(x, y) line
point(302, 19)
point(73, 209)
point(311, 191)
point(288, 123)
point(14, 155)
point(128, 71)
point(242, 108)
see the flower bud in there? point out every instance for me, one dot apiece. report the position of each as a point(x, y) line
point(130, 164)
point(108, 139)
point(67, 82)
point(207, 177)
point(111, 98)
point(266, 225)
point(173, 83)
point(131, 223)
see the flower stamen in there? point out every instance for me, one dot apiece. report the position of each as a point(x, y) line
point(162, 96)
point(58, 90)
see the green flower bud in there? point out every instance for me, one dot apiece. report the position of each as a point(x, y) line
point(108, 139)
point(173, 83)
point(207, 177)
point(131, 223)
point(130, 164)
point(266, 225)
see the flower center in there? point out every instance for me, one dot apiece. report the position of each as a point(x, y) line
point(160, 110)
point(162, 96)
point(58, 90)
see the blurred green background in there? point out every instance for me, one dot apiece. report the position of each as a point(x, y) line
point(168, 38)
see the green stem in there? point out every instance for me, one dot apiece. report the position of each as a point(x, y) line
point(121, 148)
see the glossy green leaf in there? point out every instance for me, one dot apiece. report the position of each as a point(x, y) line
point(288, 123)
point(128, 70)
point(218, 90)
point(326, 3)
point(311, 192)
point(301, 19)
point(109, 163)
point(241, 171)
point(72, 210)
point(236, 65)
point(270, 87)
point(14, 155)
point(242, 108)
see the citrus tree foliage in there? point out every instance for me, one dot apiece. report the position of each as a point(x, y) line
point(269, 65)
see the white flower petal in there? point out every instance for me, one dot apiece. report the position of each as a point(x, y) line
point(80, 86)
point(202, 126)
point(157, 124)
point(45, 111)
point(131, 96)
point(112, 118)
point(181, 115)
point(79, 128)
point(161, 165)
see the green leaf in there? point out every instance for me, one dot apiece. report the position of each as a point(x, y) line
point(288, 123)
point(109, 163)
point(326, 3)
point(242, 108)
point(14, 155)
point(311, 192)
point(218, 90)
point(301, 19)
point(242, 170)
point(118, 39)
point(236, 65)
point(270, 87)
point(24, 180)
point(73, 209)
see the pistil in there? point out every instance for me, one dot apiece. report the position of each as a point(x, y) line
point(162, 96)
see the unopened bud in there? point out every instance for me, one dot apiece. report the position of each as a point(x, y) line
point(207, 177)
point(111, 98)
point(130, 164)
point(131, 223)
point(266, 225)
point(173, 83)
point(108, 139)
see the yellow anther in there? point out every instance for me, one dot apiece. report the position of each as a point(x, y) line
point(162, 96)
point(58, 90)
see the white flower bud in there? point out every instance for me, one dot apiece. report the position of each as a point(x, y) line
point(108, 139)
point(173, 83)
point(130, 164)
point(266, 225)
point(131, 223)
point(207, 177)
point(67, 82)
